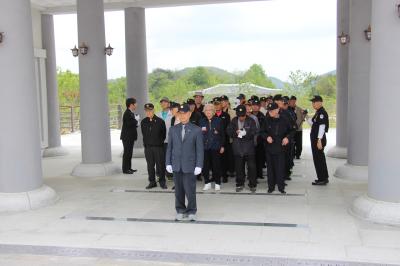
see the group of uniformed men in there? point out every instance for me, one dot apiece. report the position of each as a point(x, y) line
point(190, 140)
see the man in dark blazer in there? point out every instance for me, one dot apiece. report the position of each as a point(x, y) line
point(129, 135)
point(185, 156)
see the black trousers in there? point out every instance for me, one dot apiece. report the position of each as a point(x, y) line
point(319, 160)
point(228, 164)
point(260, 159)
point(185, 186)
point(276, 170)
point(240, 162)
point(155, 158)
point(212, 161)
point(298, 145)
point(127, 155)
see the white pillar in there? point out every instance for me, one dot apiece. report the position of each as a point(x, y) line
point(356, 168)
point(54, 148)
point(94, 110)
point(136, 61)
point(21, 182)
point(342, 60)
point(382, 203)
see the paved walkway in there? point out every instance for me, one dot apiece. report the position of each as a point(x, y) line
point(114, 221)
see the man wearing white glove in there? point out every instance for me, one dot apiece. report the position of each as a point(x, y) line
point(184, 158)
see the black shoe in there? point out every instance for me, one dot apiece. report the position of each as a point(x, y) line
point(298, 157)
point(163, 186)
point(151, 185)
point(271, 190)
point(199, 178)
point(284, 184)
point(173, 188)
point(282, 191)
point(239, 189)
point(261, 177)
point(133, 170)
point(129, 172)
point(253, 190)
point(225, 179)
point(288, 178)
point(320, 183)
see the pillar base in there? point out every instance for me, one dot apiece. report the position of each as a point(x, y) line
point(137, 153)
point(55, 151)
point(376, 211)
point(95, 170)
point(352, 172)
point(337, 152)
point(25, 201)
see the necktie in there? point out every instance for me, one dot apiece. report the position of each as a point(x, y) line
point(183, 132)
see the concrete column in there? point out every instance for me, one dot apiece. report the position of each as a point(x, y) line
point(136, 62)
point(21, 183)
point(54, 148)
point(95, 124)
point(356, 167)
point(382, 203)
point(342, 60)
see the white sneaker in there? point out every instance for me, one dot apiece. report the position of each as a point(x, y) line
point(207, 187)
point(217, 187)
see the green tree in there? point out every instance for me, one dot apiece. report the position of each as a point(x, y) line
point(256, 75)
point(68, 88)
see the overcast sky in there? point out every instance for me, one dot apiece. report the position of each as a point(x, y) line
point(281, 35)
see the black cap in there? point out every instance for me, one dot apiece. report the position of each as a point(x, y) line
point(277, 97)
point(190, 101)
point(184, 108)
point(148, 106)
point(216, 100)
point(174, 105)
point(241, 96)
point(255, 102)
point(263, 99)
point(285, 99)
point(241, 110)
point(270, 97)
point(316, 98)
point(224, 98)
point(293, 97)
point(272, 106)
point(254, 97)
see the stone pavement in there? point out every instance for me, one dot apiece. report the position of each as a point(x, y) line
point(114, 221)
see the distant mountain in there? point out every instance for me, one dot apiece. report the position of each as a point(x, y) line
point(333, 72)
point(279, 84)
point(214, 70)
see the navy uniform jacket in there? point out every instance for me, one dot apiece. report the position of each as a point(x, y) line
point(129, 126)
point(320, 118)
point(245, 145)
point(277, 129)
point(213, 133)
point(154, 132)
point(188, 154)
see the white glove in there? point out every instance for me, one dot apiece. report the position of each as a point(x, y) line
point(243, 132)
point(197, 171)
point(137, 117)
point(169, 169)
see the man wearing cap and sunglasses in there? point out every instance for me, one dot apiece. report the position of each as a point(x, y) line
point(185, 157)
point(242, 130)
point(319, 127)
point(154, 133)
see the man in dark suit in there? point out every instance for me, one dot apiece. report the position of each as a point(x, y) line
point(185, 156)
point(129, 135)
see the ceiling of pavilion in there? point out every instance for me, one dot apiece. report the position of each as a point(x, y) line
point(67, 6)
